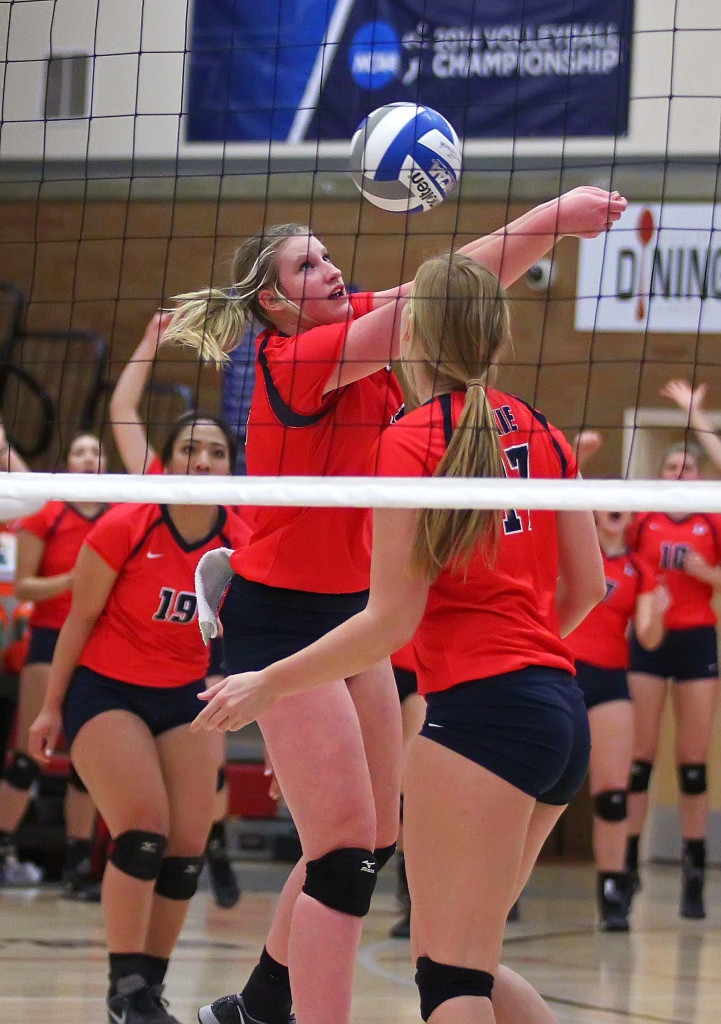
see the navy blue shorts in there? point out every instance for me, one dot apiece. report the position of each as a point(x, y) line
point(684, 654)
point(406, 682)
point(528, 727)
point(42, 645)
point(161, 708)
point(601, 685)
point(263, 624)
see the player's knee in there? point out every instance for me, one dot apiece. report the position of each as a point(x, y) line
point(220, 780)
point(383, 854)
point(178, 877)
point(611, 805)
point(22, 772)
point(76, 782)
point(640, 776)
point(692, 779)
point(439, 982)
point(138, 854)
point(343, 880)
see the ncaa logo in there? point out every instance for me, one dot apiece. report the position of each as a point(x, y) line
point(375, 55)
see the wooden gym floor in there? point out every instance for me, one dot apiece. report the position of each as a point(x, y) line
point(667, 971)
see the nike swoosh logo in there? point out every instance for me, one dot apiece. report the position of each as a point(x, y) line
point(433, 725)
point(152, 554)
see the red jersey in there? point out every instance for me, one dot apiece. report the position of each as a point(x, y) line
point(148, 632)
point(601, 639)
point(62, 528)
point(155, 467)
point(294, 429)
point(489, 620)
point(405, 658)
point(662, 544)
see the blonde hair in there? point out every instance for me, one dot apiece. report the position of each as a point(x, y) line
point(213, 320)
point(457, 320)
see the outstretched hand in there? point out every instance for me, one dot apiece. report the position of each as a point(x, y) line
point(684, 396)
point(585, 444)
point(587, 211)
point(234, 702)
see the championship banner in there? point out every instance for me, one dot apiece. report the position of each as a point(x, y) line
point(658, 270)
point(295, 70)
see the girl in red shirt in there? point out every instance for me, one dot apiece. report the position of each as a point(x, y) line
point(684, 551)
point(126, 673)
point(600, 649)
point(323, 394)
point(131, 439)
point(486, 598)
point(48, 545)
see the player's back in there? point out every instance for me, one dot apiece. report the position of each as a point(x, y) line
point(499, 615)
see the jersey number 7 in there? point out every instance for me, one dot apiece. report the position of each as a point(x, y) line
point(517, 459)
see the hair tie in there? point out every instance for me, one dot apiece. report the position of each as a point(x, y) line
point(475, 382)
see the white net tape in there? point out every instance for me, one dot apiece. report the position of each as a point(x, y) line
point(366, 492)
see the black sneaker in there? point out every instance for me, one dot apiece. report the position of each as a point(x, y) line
point(613, 902)
point(78, 885)
point(692, 906)
point(223, 883)
point(229, 1010)
point(136, 1002)
point(402, 928)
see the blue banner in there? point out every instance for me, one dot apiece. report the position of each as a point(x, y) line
point(313, 69)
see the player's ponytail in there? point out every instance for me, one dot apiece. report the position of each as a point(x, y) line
point(213, 320)
point(457, 321)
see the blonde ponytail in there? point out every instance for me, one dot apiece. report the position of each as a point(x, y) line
point(209, 321)
point(458, 318)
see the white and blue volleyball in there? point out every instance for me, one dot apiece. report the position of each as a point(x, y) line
point(405, 158)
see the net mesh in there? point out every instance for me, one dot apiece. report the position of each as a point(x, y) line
point(136, 156)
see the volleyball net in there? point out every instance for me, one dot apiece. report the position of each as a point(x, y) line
point(141, 142)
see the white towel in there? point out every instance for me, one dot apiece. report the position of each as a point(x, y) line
point(212, 576)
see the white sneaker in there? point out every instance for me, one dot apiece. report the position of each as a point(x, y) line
point(19, 872)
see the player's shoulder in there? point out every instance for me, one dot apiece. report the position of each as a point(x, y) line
point(46, 516)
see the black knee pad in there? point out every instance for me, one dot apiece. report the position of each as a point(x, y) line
point(139, 854)
point(611, 805)
point(343, 880)
point(640, 776)
point(75, 781)
point(22, 772)
point(178, 877)
point(383, 854)
point(692, 779)
point(220, 781)
point(439, 982)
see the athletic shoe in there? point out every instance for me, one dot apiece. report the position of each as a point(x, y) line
point(136, 1002)
point(84, 890)
point(402, 928)
point(14, 872)
point(79, 884)
point(230, 1010)
point(613, 904)
point(634, 880)
point(692, 906)
point(223, 883)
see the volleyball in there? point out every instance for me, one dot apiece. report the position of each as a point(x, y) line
point(405, 158)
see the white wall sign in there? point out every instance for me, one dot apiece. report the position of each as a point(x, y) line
point(658, 269)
